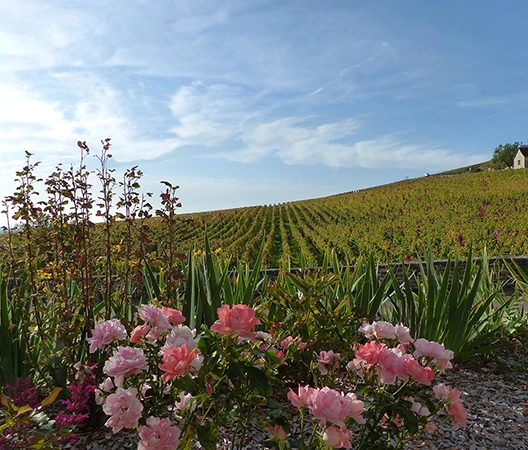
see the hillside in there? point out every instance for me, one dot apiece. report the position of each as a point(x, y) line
point(393, 222)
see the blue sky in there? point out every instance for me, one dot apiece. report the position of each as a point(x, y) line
point(259, 102)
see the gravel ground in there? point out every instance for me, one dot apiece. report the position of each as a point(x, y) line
point(494, 391)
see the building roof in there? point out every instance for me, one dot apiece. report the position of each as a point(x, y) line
point(524, 150)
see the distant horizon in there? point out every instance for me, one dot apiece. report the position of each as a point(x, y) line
point(262, 102)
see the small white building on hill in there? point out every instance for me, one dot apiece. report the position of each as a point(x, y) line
point(521, 158)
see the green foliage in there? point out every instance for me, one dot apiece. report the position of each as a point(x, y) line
point(504, 154)
point(463, 312)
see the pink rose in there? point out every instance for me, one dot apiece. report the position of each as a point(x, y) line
point(178, 336)
point(430, 427)
point(423, 375)
point(175, 317)
point(328, 404)
point(239, 320)
point(277, 432)
point(455, 408)
point(125, 361)
point(384, 330)
point(390, 367)
point(303, 396)
point(138, 333)
point(403, 334)
point(186, 401)
point(105, 332)
point(155, 317)
point(328, 361)
point(124, 409)
point(420, 409)
point(371, 352)
point(337, 437)
point(431, 349)
point(459, 413)
point(367, 329)
point(177, 361)
point(158, 434)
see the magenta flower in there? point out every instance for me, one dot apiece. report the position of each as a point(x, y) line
point(124, 409)
point(125, 361)
point(337, 437)
point(330, 405)
point(158, 434)
point(238, 320)
point(105, 332)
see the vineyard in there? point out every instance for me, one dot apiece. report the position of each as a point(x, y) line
point(394, 222)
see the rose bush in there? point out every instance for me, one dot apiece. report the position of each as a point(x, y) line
point(175, 386)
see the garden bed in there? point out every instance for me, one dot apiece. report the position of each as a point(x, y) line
point(495, 392)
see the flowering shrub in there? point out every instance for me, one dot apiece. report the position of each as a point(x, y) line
point(174, 386)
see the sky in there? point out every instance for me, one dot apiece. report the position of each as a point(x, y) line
point(251, 102)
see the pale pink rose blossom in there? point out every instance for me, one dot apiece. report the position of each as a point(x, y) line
point(157, 320)
point(445, 392)
point(125, 361)
point(277, 432)
point(391, 366)
point(430, 427)
point(177, 362)
point(158, 434)
point(303, 396)
point(423, 375)
point(384, 330)
point(431, 349)
point(337, 437)
point(356, 365)
point(104, 388)
point(330, 405)
point(262, 336)
point(138, 333)
point(105, 332)
point(124, 409)
point(185, 401)
point(420, 409)
point(285, 343)
point(175, 317)
point(178, 336)
point(403, 334)
point(328, 361)
point(239, 319)
point(367, 329)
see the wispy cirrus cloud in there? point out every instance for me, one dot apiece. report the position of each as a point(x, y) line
point(221, 116)
point(494, 100)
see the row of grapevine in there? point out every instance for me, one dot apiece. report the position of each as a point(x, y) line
point(392, 222)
